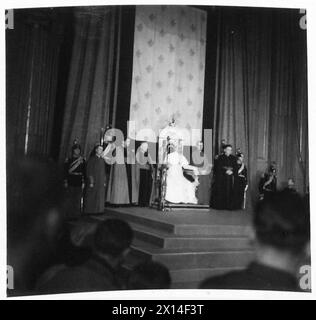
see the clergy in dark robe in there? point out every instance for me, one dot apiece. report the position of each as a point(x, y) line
point(144, 165)
point(74, 175)
point(117, 190)
point(204, 169)
point(132, 172)
point(96, 182)
point(241, 184)
point(221, 152)
point(225, 173)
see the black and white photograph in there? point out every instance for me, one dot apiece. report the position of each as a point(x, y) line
point(157, 147)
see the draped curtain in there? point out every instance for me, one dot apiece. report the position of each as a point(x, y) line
point(168, 69)
point(32, 51)
point(92, 81)
point(261, 104)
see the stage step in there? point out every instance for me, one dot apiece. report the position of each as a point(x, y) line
point(153, 223)
point(216, 226)
point(192, 258)
point(169, 240)
point(192, 244)
point(199, 274)
point(183, 278)
point(214, 230)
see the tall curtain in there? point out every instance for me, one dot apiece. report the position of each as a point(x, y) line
point(168, 69)
point(261, 104)
point(91, 82)
point(32, 53)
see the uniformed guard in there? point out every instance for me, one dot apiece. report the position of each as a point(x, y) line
point(74, 178)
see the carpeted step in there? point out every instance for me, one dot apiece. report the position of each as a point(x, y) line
point(192, 244)
point(180, 277)
point(169, 240)
point(142, 220)
point(212, 230)
point(199, 274)
point(193, 258)
point(211, 224)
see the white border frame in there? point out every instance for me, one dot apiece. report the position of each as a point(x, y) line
point(310, 6)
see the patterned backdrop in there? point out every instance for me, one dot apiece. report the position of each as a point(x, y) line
point(168, 68)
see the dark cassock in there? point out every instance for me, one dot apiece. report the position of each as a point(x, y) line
point(132, 172)
point(107, 148)
point(145, 168)
point(225, 172)
point(240, 187)
point(95, 183)
point(117, 190)
point(74, 175)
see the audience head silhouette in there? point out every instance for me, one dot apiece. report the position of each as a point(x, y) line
point(149, 275)
point(35, 217)
point(282, 222)
point(113, 238)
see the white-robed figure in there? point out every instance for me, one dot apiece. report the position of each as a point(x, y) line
point(178, 188)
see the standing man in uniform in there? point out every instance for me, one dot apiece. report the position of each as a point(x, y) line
point(74, 175)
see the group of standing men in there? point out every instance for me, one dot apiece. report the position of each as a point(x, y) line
point(90, 184)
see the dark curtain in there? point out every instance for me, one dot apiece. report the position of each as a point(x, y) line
point(120, 114)
point(261, 104)
point(32, 50)
point(92, 81)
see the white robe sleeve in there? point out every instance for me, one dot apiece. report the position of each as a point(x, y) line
point(183, 161)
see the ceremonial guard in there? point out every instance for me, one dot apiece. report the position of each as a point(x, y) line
point(74, 176)
point(268, 183)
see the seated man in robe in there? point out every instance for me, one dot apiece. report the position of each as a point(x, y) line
point(178, 188)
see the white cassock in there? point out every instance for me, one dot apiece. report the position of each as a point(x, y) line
point(178, 189)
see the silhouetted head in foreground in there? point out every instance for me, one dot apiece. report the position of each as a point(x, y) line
point(281, 224)
point(282, 229)
point(34, 217)
point(112, 240)
point(149, 275)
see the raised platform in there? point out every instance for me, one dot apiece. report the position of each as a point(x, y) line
point(193, 244)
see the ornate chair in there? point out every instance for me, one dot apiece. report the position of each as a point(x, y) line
point(169, 135)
